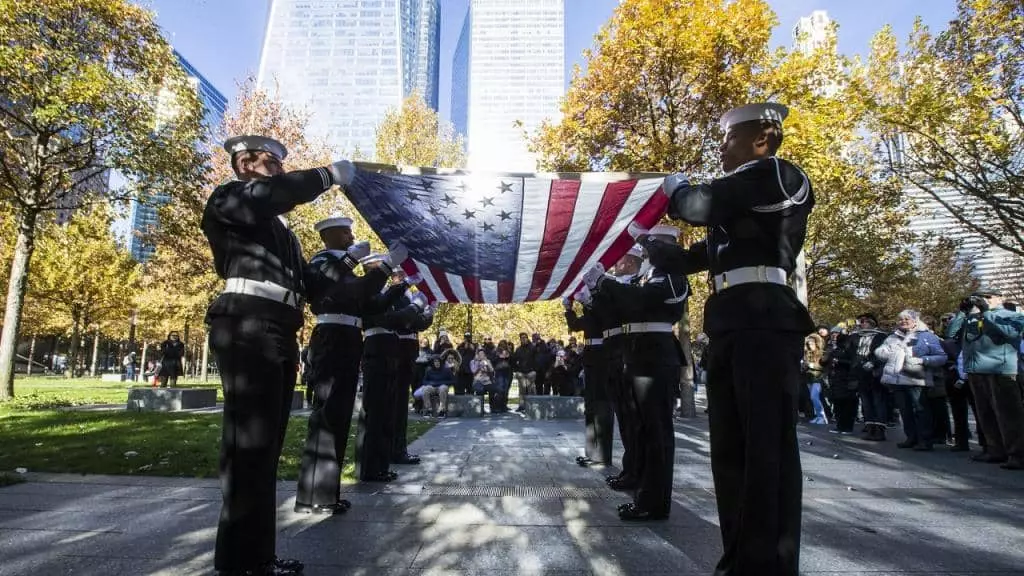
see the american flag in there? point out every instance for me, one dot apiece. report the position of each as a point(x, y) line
point(500, 238)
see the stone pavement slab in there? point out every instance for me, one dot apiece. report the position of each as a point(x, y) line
point(501, 496)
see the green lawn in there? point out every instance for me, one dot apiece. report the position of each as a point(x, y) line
point(42, 439)
point(54, 391)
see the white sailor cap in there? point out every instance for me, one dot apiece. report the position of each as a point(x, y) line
point(665, 230)
point(262, 143)
point(333, 222)
point(771, 111)
point(637, 250)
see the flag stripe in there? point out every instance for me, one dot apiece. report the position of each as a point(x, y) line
point(505, 290)
point(587, 205)
point(457, 287)
point(472, 286)
point(535, 205)
point(489, 289)
point(441, 277)
point(561, 205)
point(428, 279)
point(411, 269)
point(616, 196)
point(645, 199)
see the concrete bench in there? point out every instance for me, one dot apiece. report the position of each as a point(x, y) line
point(111, 378)
point(171, 399)
point(551, 407)
point(465, 406)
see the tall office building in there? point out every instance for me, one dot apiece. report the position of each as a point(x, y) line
point(143, 217)
point(509, 68)
point(349, 61)
point(812, 31)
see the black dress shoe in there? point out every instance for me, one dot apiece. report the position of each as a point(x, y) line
point(623, 484)
point(289, 564)
point(339, 507)
point(635, 513)
point(612, 477)
point(406, 459)
point(583, 461)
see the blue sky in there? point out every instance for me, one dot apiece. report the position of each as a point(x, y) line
point(222, 38)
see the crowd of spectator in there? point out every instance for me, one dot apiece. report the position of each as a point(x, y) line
point(925, 375)
point(536, 366)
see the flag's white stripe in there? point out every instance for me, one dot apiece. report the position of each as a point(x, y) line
point(458, 288)
point(587, 202)
point(424, 271)
point(489, 290)
point(536, 192)
point(640, 195)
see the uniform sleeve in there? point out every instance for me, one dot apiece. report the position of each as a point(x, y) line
point(423, 322)
point(659, 290)
point(675, 259)
point(767, 182)
point(398, 319)
point(249, 203)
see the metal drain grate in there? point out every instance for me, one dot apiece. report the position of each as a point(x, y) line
point(543, 492)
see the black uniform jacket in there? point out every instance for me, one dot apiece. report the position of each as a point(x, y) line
point(755, 216)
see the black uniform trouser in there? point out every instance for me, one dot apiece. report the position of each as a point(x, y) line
point(654, 388)
point(373, 441)
point(334, 355)
point(624, 406)
point(258, 363)
point(846, 411)
point(597, 409)
point(408, 349)
point(753, 385)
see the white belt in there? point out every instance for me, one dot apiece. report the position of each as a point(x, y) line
point(594, 341)
point(407, 337)
point(750, 275)
point(263, 289)
point(376, 332)
point(342, 319)
point(612, 332)
point(643, 327)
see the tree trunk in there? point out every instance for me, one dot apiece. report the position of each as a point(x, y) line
point(206, 356)
point(31, 355)
point(73, 350)
point(23, 249)
point(142, 363)
point(95, 352)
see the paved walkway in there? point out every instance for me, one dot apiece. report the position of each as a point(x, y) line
point(501, 496)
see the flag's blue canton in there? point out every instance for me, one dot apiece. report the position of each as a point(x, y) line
point(465, 225)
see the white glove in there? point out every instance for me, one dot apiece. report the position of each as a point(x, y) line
point(396, 255)
point(636, 230)
point(342, 172)
point(566, 303)
point(429, 310)
point(413, 280)
point(593, 276)
point(674, 182)
point(359, 250)
point(419, 300)
point(868, 365)
point(583, 296)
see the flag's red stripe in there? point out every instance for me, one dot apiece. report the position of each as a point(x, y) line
point(442, 282)
point(505, 291)
point(410, 268)
point(647, 217)
point(561, 204)
point(615, 196)
point(472, 285)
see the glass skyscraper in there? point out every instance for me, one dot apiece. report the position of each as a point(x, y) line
point(349, 61)
point(508, 68)
point(143, 215)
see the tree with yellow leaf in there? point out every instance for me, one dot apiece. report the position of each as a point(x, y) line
point(950, 112)
point(86, 86)
point(82, 274)
point(413, 135)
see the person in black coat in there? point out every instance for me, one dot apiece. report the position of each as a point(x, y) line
point(172, 351)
